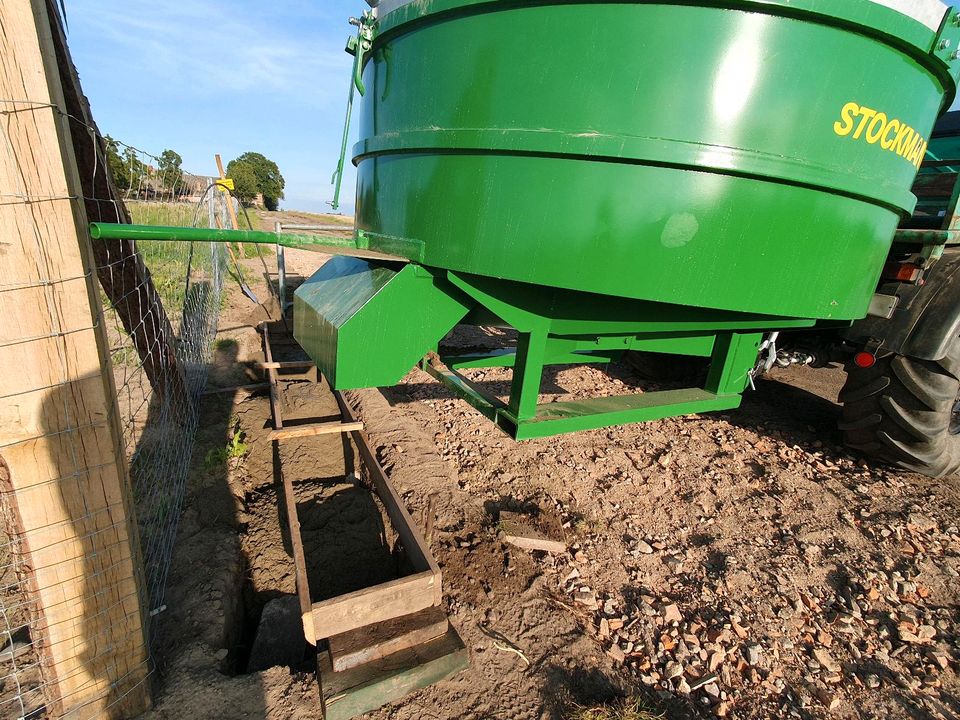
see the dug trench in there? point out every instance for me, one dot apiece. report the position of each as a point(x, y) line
point(347, 538)
point(232, 620)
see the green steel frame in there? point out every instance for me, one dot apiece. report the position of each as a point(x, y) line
point(523, 417)
point(558, 327)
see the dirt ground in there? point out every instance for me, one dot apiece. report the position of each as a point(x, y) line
point(740, 564)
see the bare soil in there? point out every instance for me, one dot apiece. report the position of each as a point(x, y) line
point(739, 564)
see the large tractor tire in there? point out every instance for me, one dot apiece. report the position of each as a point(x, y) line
point(904, 411)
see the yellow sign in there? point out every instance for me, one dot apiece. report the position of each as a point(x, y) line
point(876, 128)
point(225, 183)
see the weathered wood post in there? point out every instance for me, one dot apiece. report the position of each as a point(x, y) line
point(63, 472)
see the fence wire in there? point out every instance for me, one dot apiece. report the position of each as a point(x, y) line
point(160, 304)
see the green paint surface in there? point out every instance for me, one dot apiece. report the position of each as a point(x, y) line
point(680, 153)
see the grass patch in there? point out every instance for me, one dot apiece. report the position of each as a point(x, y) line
point(169, 214)
point(589, 525)
point(235, 448)
point(169, 262)
point(631, 708)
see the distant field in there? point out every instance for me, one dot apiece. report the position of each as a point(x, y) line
point(188, 215)
point(297, 217)
point(176, 214)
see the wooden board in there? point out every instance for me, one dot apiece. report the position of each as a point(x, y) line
point(376, 604)
point(386, 601)
point(326, 428)
point(290, 502)
point(410, 537)
point(63, 482)
point(373, 642)
point(365, 688)
point(520, 532)
point(287, 365)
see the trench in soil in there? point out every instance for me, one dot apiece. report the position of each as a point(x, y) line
point(348, 540)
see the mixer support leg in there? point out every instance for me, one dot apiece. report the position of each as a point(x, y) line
point(734, 355)
point(527, 372)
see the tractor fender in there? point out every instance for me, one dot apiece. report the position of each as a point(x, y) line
point(926, 320)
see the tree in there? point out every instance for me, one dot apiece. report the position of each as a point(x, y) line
point(127, 168)
point(171, 176)
point(244, 181)
point(270, 182)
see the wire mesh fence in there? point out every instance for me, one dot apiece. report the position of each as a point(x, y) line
point(83, 563)
point(159, 367)
point(160, 303)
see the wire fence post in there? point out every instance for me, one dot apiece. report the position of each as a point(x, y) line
point(281, 272)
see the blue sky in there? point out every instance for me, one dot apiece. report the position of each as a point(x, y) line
point(223, 76)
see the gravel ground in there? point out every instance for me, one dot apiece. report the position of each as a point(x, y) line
point(740, 565)
point(733, 565)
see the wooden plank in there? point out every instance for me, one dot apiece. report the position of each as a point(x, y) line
point(272, 377)
point(251, 387)
point(519, 531)
point(290, 501)
point(373, 642)
point(386, 601)
point(417, 550)
point(231, 209)
point(63, 482)
point(327, 428)
point(286, 364)
point(365, 688)
point(379, 603)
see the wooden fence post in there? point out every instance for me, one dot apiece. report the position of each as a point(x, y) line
point(63, 472)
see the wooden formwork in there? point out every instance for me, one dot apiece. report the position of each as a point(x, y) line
point(384, 641)
point(389, 600)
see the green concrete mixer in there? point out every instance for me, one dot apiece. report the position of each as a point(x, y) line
point(706, 178)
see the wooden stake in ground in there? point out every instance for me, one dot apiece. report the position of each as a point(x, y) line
point(230, 208)
point(63, 484)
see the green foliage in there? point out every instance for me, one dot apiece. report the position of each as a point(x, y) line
point(632, 708)
point(269, 181)
point(126, 168)
point(169, 262)
point(131, 173)
point(164, 213)
point(235, 448)
point(244, 181)
point(171, 174)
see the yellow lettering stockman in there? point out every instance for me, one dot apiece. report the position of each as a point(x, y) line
point(877, 128)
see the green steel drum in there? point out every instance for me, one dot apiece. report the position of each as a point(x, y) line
point(746, 155)
point(677, 177)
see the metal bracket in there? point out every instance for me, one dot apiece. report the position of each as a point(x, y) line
point(947, 44)
point(882, 306)
point(360, 45)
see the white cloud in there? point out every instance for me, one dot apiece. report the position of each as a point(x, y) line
point(214, 47)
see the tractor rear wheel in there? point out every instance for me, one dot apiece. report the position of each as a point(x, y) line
point(904, 411)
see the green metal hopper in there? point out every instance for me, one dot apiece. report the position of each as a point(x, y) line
point(609, 176)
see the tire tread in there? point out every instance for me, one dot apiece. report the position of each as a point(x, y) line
point(899, 412)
